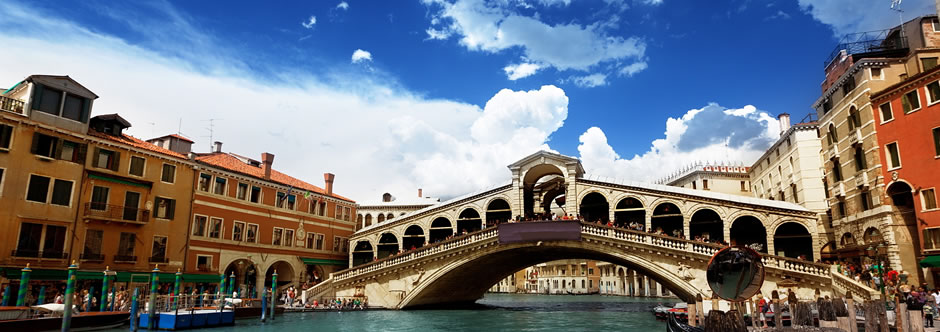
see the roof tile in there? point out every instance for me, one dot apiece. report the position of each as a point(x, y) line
point(231, 163)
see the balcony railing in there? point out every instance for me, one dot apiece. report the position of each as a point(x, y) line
point(12, 105)
point(40, 254)
point(116, 213)
point(205, 268)
point(161, 260)
point(868, 42)
point(125, 258)
point(91, 257)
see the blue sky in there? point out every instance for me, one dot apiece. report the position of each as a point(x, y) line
point(442, 94)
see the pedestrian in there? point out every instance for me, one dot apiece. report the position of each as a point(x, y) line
point(764, 305)
point(928, 315)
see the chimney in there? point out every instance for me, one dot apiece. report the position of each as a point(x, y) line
point(328, 179)
point(218, 146)
point(419, 189)
point(267, 160)
point(784, 120)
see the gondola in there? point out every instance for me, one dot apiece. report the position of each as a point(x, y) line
point(674, 325)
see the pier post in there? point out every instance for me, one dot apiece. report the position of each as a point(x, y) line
point(264, 305)
point(104, 289)
point(231, 287)
point(6, 296)
point(201, 290)
point(134, 324)
point(42, 295)
point(24, 286)
point(88, 303)
point(273, 293)
point(69, 290)
point(176, 289)
point(152, 302)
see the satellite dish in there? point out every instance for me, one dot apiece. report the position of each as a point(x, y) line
point(735, 273)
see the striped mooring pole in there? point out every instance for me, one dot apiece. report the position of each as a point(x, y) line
point(222, 292)
point(69, 291)
point(134, 323)
point(273, 293)
point(105, 285)
point(176, 288)
point(42, 295)
point(6, 296)
point(231, 286)
point(154, 284)
point(264, 304)
point(24, 286)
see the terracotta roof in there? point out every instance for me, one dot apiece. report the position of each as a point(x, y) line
point(231, 163)
point(181, 138)
point(135, 142)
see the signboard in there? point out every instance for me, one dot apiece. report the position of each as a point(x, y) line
point(539, 231)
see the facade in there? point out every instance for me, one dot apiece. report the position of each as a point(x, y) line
point(567, 276)
point(513, 283)
point(907, 118)
point(861, 216)
point(374, 213)
point(623, 281)
point(722, 178)
point(791, 171)
point(251, 221)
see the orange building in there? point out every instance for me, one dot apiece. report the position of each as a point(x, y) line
point(907, 115)
point(250, 220)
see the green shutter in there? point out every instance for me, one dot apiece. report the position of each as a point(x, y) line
point(171, 209)
point(94, 158)
point(80, 154)
point(35, 147)
point(116, 161)
point(85, 111)
point(37, 96)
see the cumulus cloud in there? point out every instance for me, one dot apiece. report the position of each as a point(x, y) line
point(633, 68)
point(590, 81)
point(361, 56)
point(709, 133)
point(310, 22)
point(653, 2)
point(493, 27)
point(851, 16)
point(343, 5)
point(515, 72)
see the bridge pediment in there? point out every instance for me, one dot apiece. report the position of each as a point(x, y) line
point(562, 162)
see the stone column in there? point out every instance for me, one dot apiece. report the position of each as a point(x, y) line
point(649, 220)
point(659, 289)
point(259, 282)
point(685, 227)
point(571, 193)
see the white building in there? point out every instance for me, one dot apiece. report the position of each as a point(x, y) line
point(718, 177)
point(569, 276)
point(390, 207)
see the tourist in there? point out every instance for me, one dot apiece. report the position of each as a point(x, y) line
point(928, 314)
point(764, 305)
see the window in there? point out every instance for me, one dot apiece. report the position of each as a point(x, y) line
point(928, 198)
point(242, 191)
point(165, 208)
point(865, 200)
point(276, 236)
point(826, 187)
point(310, 240)
point(62, 192)
point(936, 141)
point(928, 63)
point(252, 234)
point(860, 163)
point(705, 184)
point(255, 194)
point(238, 230)
point(910, 101)
point(53, 242)
point(832, 136)
point(137, 166)
point(853, 119)
point(322, 209)
point(72, 151)
point(743, 185)
point(693, 185)
point(6, 137)
point(46, 100)
point(280, 199)
point(126, 246)
point(289, 237)
point(169, 173)
point(886, 114)
point(203, 263)
point(347, 212)
point(215, 228)
point(339, 212)
point(841, 206)
point(38, 188)
point(894, 155)
point(933, 92)
point(827, 106)
point(158, 250)
point(106, 159)
point(199, 225)
point(28, 243)
point(336, 243)
point(44, 145)
point(319, 242)
point(75, 108)
point(291, 202)
point(204, 180)
point(793, 192)
point(836, 171)
point(92, 248)
point(219, 186)
point(848, 86)
point(876, 74)
point(932, 238)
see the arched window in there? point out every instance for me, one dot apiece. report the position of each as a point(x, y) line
point(832, 137)
point(853, 120)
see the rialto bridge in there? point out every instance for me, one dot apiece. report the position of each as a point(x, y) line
point(454, 251)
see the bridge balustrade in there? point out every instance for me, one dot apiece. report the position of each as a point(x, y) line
point(843, 284)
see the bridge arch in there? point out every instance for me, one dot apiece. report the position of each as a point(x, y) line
point(707, 224)
point(413, 237)
point(469, 220)
point(363, 252)
point(388, 245)
point(441, 228)
point(792, 239)
point(629, 209)
point(594, 206)
point(748, 230)
point(668, 218)
point(498, 210)
point(465, 280)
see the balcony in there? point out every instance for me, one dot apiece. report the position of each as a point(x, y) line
point(91, 257)
point(26, 253)
point(869, 44)
point(855, 137)
point(160, 260)
point(832, 152)
point(861, 180)
point(838, 190)
point(107, 212)
point(12, 105)
point(205, 268)
point(125, 259)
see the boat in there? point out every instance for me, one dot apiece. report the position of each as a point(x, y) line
point(680, 309)
point(674, 325)
point(48, 317)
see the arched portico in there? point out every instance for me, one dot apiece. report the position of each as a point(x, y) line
point(285, 273)
point(362, 253)
point(668, 218)
point(441, 228)
point(498, 211)
point(594, 208)
point(792, 239)
point(749, 231)
point(413, 238)
point(469, 221)
point(245, 273)
point(629, 210)
point(707, 225)
point(388, 245)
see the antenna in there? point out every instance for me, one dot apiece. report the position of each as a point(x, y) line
point(211, 130)
point(896, 6)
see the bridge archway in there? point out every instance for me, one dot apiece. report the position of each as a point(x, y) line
point(530, 180)
point(413, 238)
point(388, 245)
point(594, 207)
point(466, 280)
point(468, 221)
point(362, 253)
point(749, 231)
point(498, 211)
point(285, 273)
point(441, 228)
point(706, 223)
point(668, 218)
point(792, 239)
point(629, 210)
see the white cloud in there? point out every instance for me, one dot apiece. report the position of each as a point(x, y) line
point(310, 22)
point(496, 27)
point(359, 56)
point(343, 5)
point(851, 16)
point(653, 2)
point(515, 72)
point(590, 81)
point(375, 136)
point(711, 133)
point(778, 15)
point(633, 68)
point(560, 3)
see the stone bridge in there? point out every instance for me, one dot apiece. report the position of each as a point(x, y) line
point(452, 252)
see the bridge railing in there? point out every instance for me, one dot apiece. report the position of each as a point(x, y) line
point(318, 290)
point(843, 284)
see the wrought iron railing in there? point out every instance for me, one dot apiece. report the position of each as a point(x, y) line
point(116, 212)
point(12, 105)
point(867, 42)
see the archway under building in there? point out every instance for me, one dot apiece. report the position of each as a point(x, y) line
point(792, 239)
point(285, 274)
point(629, 210)
point(827, 252)
point(388, 245)
point(531, 190)
point(906, 235)
point(551, 190)
point(667, 218)
point(498, 211)
point(468, 221)
point(872, 236)
point(246, 276)
point(413, 237)
point(594, 208)
point(441, 229)
point(706, 225)
point(749, 231)
point(362, 253)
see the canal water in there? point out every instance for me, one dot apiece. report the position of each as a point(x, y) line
point(495, 312)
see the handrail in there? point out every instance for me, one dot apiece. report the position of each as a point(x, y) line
point(844, 284)
point(12, 105)
point(116, 212)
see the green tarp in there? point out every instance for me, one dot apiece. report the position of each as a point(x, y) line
point(317, 261)
point(117, 180)
point(48, 274)
point(930, 261)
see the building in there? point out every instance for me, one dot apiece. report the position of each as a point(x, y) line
point(717, 177)
point(791, 170)
point(250, 220)
point(374, 213)
point(513, 283)
point(569, 276)
point(623, 281)
point(907, 119)
point(863, 65)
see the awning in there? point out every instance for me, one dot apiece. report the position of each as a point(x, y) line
point(105, 177)
point(317, 261)
point(930, 261)
point(209, 278)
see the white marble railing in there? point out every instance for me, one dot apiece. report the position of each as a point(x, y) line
point(317, 290)
point(843, 284)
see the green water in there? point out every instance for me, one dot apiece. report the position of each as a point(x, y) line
point(495, 312)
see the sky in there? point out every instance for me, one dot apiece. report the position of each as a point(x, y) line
point(392, 96)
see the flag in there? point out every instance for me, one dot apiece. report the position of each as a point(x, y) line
point(308, 194)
